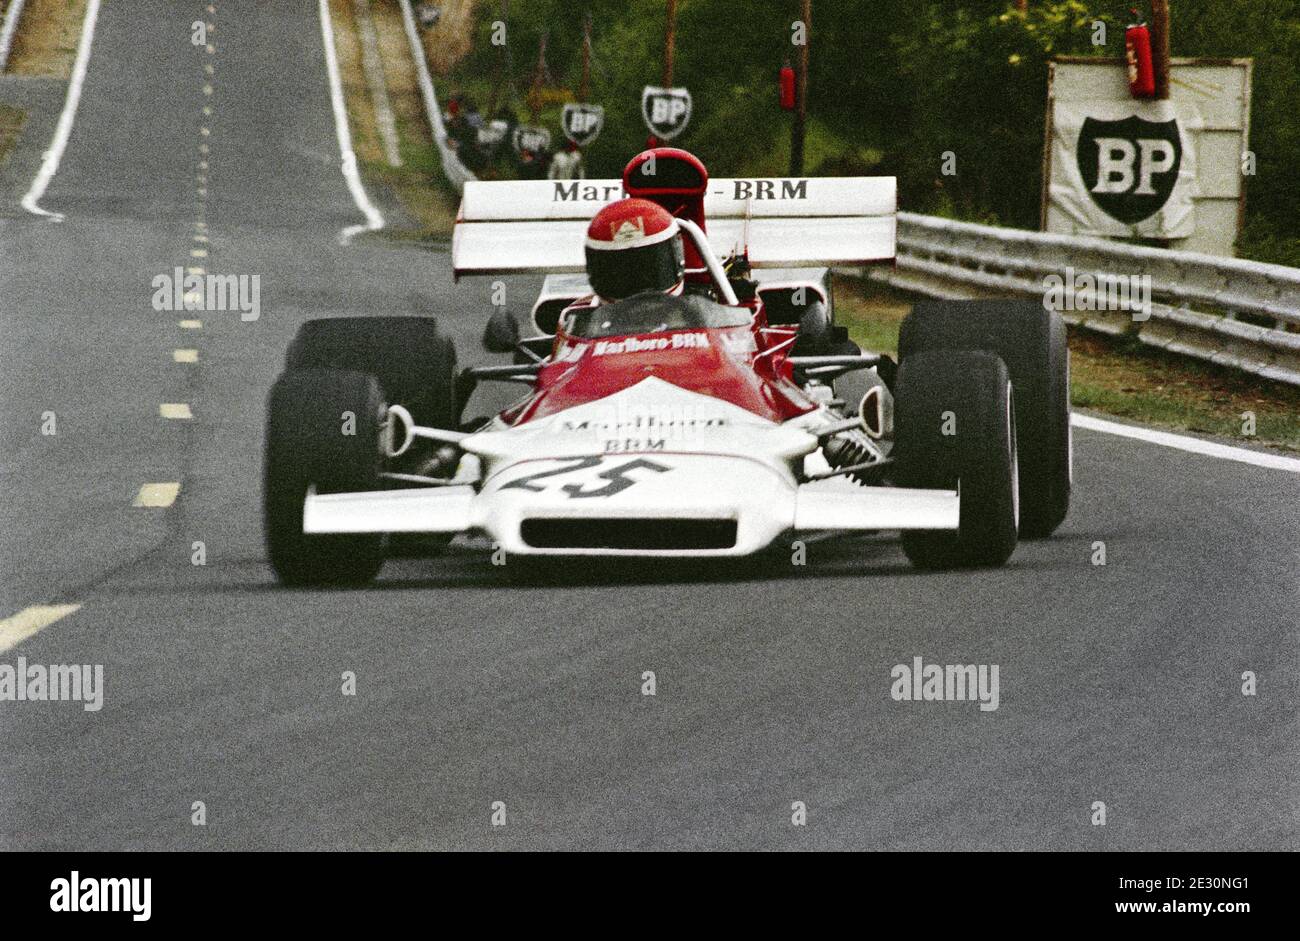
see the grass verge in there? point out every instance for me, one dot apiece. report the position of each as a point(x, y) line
point(418, 184)
point(11, 126)
point(47, 38)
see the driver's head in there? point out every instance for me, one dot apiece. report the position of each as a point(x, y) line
point(634, 245)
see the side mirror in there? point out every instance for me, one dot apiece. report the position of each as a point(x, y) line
point(876, 412)
point(501, 335)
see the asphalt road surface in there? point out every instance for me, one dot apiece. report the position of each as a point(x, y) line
point(1118, 683)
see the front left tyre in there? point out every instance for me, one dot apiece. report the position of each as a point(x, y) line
point(1031, 341)
point(322, 433)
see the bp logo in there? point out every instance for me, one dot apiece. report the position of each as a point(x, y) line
point(1130, 167)
point(666, 110)
point(582, 122)
point(527, 137)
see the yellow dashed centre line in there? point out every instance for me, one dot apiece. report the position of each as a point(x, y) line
point(164, 494)
point(157, 495)
point(17, 628)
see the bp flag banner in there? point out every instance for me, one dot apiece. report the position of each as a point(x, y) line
point(582, 122)
point(666, 111)
point(1125, 169)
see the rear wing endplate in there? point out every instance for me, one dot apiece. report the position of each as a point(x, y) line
point(538, 226)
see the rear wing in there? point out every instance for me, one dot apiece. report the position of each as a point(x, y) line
point(538, 226)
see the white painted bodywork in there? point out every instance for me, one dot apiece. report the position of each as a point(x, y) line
point(537, 226)
point(687, 455)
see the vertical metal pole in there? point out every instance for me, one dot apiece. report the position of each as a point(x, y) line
point(1160, 46)
point(801, 95)
point(503, 63)
point(583, 86)
point(670, 42)
point(535, 92)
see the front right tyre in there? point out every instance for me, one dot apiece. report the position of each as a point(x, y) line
point(322, 433)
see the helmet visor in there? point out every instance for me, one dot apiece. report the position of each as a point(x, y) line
point(618, 273)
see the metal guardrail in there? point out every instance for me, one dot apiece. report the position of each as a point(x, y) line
point(455, 171)
point(1198, 301)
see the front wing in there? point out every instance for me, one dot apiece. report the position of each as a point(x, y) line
point(664, 504)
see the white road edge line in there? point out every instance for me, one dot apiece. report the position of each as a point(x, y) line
point(373, 219)
point(1193, 445)
point(50, 159)
point(18, 627)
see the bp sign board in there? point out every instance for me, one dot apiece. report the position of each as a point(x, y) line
point(1131, 167)
point(666, 111)
point(528, 137)
point(582, 122)
point(493, 133)
point(1125, 168)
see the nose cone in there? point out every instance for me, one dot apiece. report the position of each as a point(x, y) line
point(648, 503)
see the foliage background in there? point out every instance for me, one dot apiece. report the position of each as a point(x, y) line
point(893, 84)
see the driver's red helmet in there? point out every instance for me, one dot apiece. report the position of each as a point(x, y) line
point(634, 245)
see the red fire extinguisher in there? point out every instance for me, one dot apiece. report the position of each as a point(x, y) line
point(787, 88)
point(1141, 73)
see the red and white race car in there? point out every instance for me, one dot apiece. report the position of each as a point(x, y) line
point(716, 421)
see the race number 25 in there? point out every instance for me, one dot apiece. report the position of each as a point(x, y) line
point(616, 479)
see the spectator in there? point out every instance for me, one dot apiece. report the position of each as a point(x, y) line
point(567, 164)
point(428, 14)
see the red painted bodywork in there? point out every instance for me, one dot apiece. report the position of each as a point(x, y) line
point(682, 202)
point(744, 365)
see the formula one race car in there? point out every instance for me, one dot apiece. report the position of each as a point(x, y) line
point(689, 392)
